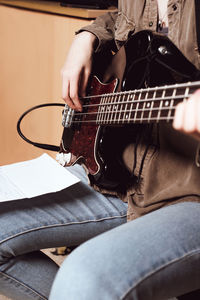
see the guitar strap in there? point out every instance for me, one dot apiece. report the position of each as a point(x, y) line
point(197, 9)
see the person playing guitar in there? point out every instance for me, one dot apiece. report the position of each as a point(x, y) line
point(162, 160)
point(132, 127)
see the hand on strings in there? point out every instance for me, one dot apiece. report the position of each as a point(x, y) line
point(77, 68)
point(187, 116)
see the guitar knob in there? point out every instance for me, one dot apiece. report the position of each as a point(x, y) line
point(63, 158)
point(163, 50)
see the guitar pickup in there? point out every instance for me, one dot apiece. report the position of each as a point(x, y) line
point(67, 117)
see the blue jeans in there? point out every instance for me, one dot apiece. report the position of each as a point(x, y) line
point(154, 257)
point(66, 218)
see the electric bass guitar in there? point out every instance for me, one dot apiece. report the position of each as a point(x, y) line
point(141, 84)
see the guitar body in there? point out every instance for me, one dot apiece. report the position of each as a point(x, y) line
point(146, 60)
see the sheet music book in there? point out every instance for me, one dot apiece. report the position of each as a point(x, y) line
point(34, 177)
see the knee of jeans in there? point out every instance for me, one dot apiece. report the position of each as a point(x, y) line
point(84, 262)
point(80, 276)
point(6, 253)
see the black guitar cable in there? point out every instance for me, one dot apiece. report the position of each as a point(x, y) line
point(36, 144)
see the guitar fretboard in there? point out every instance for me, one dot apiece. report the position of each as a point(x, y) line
point(149, 105)
point(142, 106)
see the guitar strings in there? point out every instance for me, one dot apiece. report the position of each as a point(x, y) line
point(178, 97)
point(125, 119)
point(131, 103)
point(153, 89)
point(129, 110)
point(113, 114)
point(122, 115)
point(133, 120)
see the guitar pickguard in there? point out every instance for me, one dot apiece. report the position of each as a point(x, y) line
point(82, 139)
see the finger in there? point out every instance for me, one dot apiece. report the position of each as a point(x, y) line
point(65, 93)
point(84, 82)
point(189, 118)
point(74, 93)
point(70, 89)
point(197, 93)
point(65, 89)
point(178, 117)
point(192, 114)
point(196, 132)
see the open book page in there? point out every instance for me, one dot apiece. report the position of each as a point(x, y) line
point(8, 190)
point(34, 177)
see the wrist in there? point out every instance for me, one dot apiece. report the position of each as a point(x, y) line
point(88, 36)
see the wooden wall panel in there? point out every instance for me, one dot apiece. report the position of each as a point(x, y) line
point(33, 47)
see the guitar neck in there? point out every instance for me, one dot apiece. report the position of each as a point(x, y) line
point(144, 105)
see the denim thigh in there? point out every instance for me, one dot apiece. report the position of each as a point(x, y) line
point(68, 217)
point(154, 257)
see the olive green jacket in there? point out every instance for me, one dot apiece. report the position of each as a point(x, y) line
point(169, 172)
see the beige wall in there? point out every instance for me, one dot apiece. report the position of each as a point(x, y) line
point(33, 47)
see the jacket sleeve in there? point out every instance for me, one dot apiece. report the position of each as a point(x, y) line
point(103, 27)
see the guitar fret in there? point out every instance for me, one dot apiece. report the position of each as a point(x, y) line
point(132, 98)
point(105, 110)
point(186, 94)
point(129, 105)
point(121, 108)
point(152, 105)
point(137, 105)
point(171, 105)
point(108, 110)
point(144, 103)
point(161, 104)
point(99, 111)
point(170, 110)
point(125, 118)
point(115, 108)
point(112, 111)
